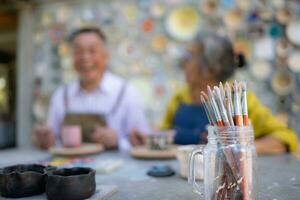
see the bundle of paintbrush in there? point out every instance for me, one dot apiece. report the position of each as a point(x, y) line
point(226, 106)
point(226, 109)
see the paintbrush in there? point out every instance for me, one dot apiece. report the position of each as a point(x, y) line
point(244, 103)
point(228, 92)
point(222, 91)
point(228, 103)
point(221, 106)
point(214, 107)
point(237, 117)
point(208, 114)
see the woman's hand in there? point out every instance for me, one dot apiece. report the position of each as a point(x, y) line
point(269, 145)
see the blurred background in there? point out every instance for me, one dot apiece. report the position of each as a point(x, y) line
point(146, 39)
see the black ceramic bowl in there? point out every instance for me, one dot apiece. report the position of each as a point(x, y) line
point(22, 180)
point(70, 184)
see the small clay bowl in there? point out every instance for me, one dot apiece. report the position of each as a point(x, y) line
point(22, 180)
point(70, 183)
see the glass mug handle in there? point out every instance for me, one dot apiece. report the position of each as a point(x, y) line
point(192, 176)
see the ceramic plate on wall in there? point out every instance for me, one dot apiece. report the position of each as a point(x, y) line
point(209, 7)
point(283, 48)
point(148, 26)
point(282, 83)
point(283, 16)
point(159, 43)
point(63, 14)
point(293, 32)
point(183, 23)
point(279, 4)
point(130, 12)
point(263, 48)
point(294, 61)
point(261, 69)
point(295, 107)
point(128, 49)
point(233, 19)
point(46, 19)
point(244, 5)
point(275, 30)
point(157, 10)
point(266, 14)
point(227, 4)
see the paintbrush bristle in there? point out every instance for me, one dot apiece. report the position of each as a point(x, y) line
point(235, 86)
point(209, 91)
point(202, 99)
point(243, 85)
point(204, 95)
point(217, 92)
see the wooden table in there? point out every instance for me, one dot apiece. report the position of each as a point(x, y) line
point(279, 177)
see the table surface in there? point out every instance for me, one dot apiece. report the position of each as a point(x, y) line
point(278, 176)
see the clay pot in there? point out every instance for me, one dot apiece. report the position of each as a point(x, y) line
point(73, 183)
point(22, 180)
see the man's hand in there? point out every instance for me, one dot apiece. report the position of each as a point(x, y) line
point(105, 136)
point(43, 137)
point(137, 139)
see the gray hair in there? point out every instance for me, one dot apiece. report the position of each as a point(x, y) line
point(216, 55)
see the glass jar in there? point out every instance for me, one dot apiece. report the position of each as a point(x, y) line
point(229, 164)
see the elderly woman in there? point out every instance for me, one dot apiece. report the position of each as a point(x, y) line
point(209, 60)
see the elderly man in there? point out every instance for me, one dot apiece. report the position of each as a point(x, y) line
point(98, 97)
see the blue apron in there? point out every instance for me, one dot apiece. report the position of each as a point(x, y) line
point(190, 124)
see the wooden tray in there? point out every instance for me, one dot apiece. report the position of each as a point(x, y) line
point(84, 149)
point(146, 153)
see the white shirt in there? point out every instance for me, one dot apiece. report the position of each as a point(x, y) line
point(129, 113)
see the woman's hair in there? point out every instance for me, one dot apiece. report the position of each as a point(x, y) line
point(217, 55)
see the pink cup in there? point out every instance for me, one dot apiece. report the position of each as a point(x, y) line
point(71, 136)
